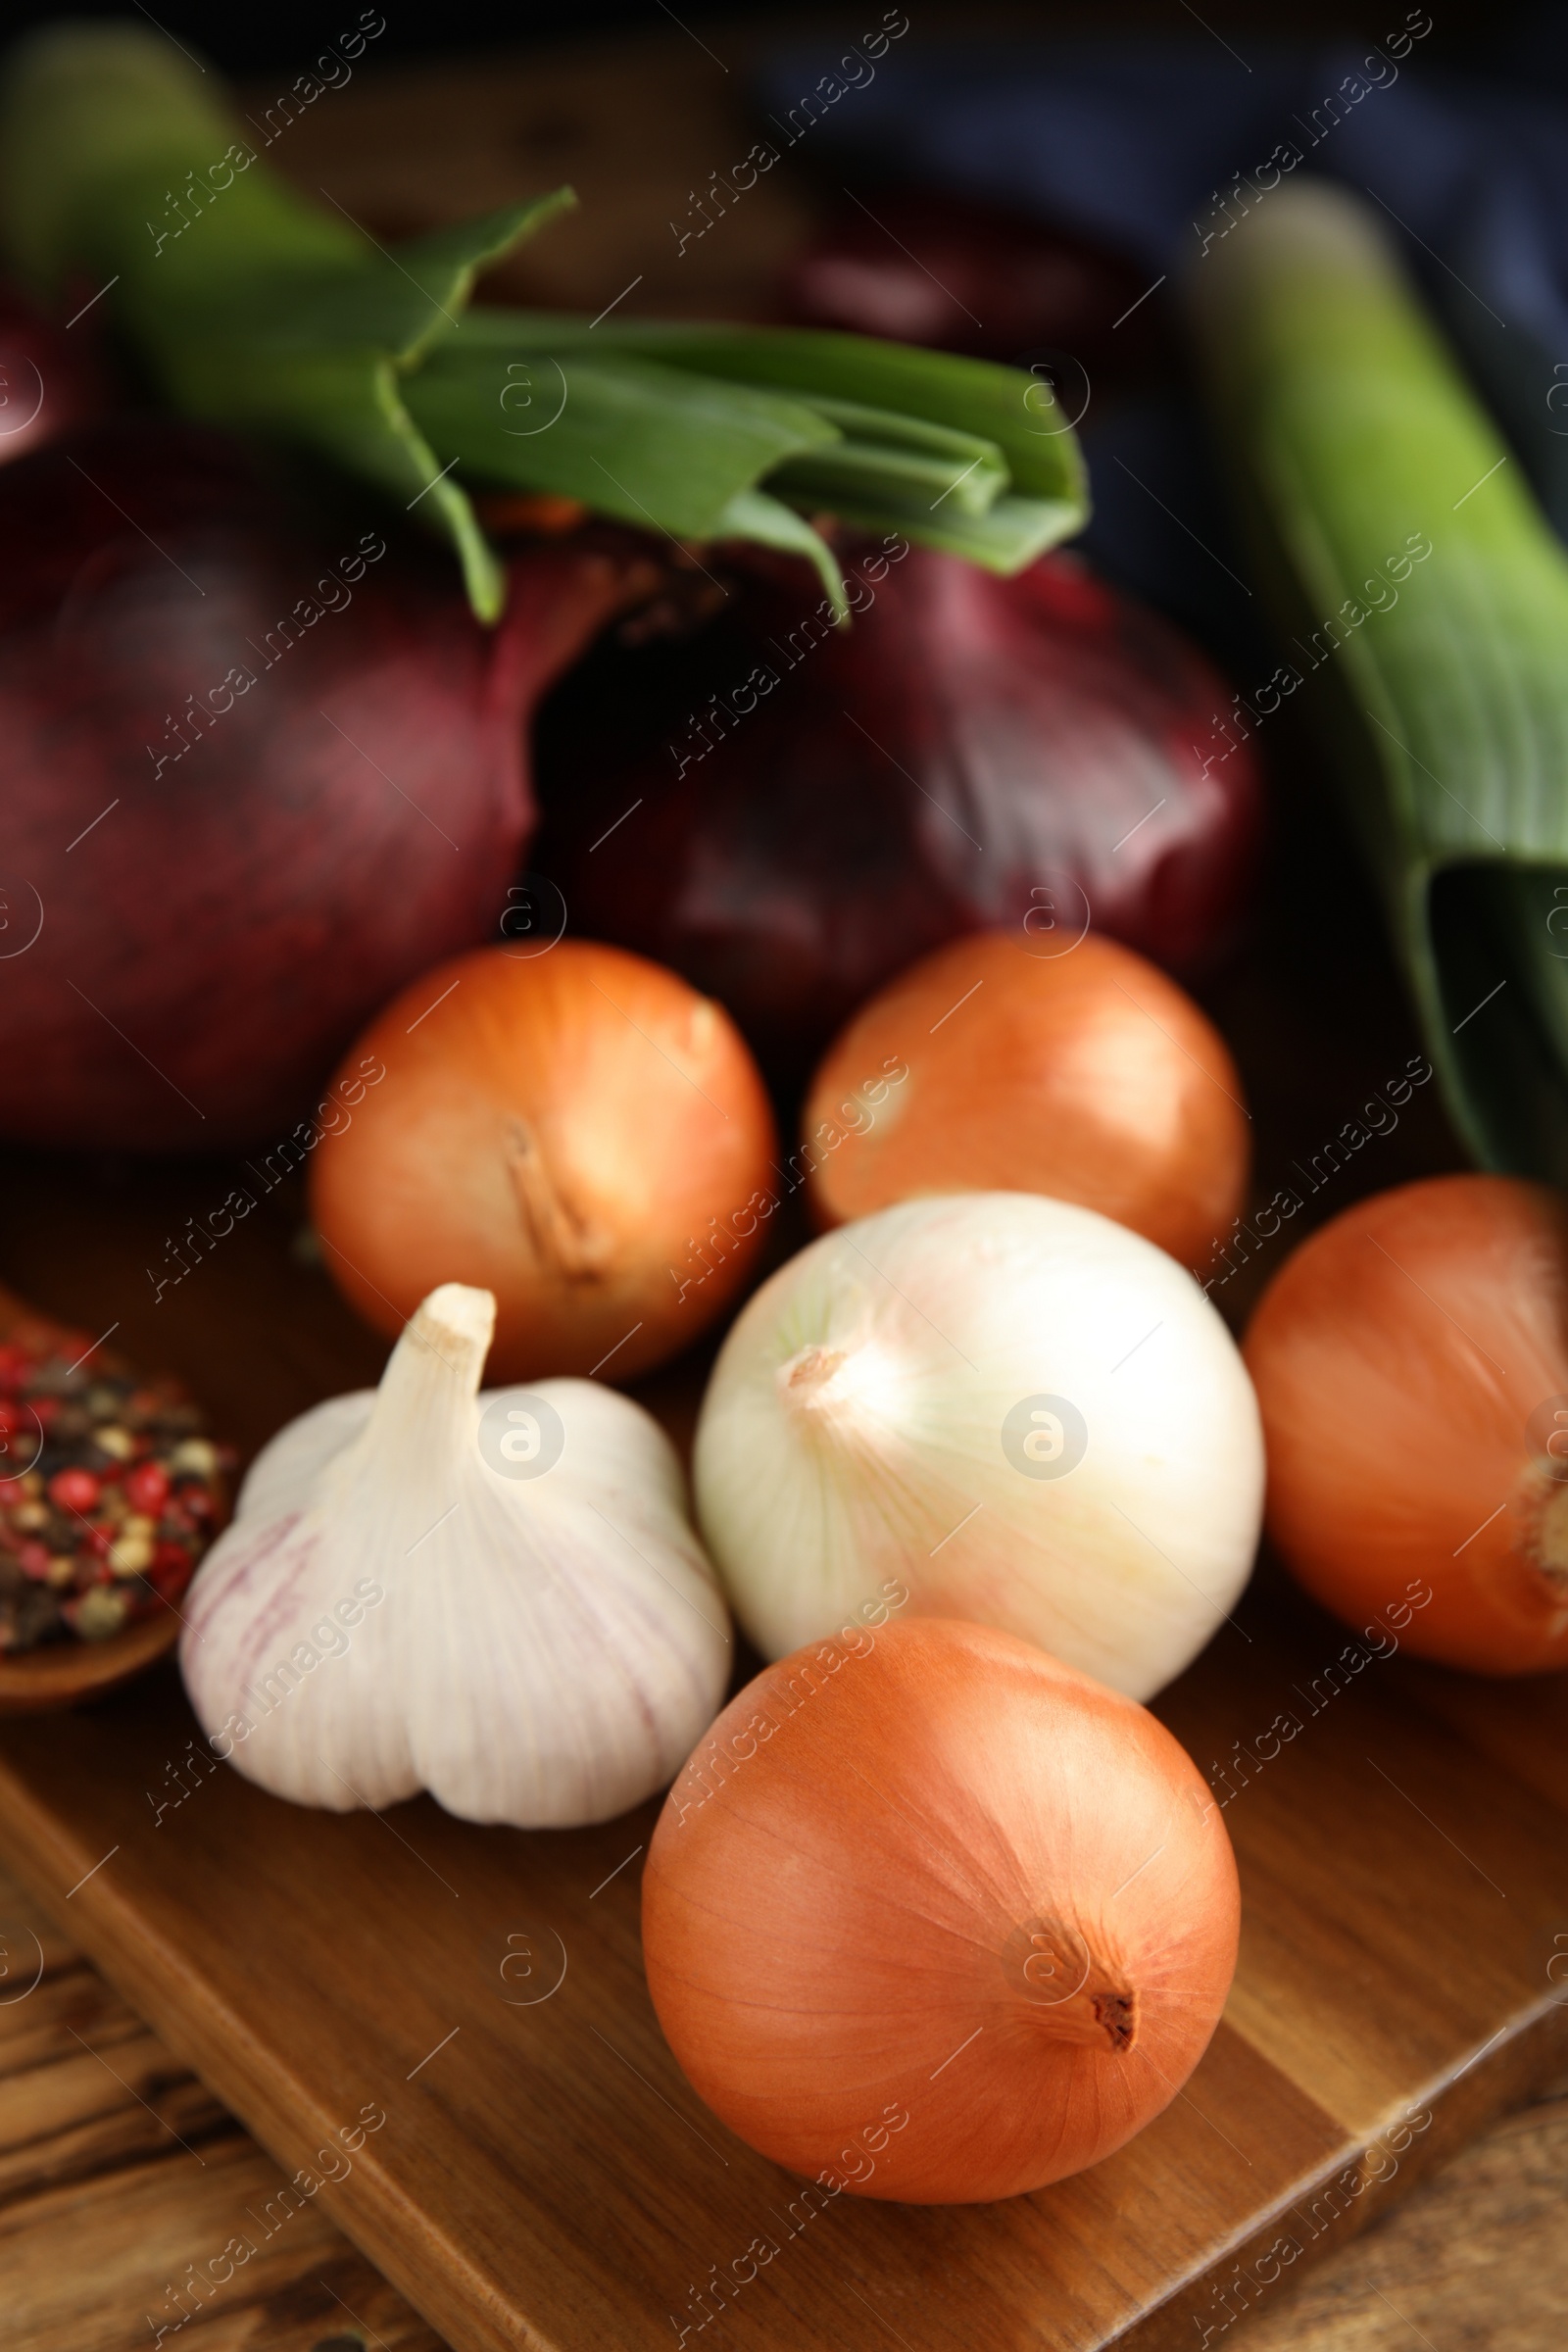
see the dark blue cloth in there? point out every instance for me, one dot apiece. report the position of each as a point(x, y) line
point(1134, 144)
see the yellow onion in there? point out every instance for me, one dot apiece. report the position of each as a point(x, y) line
point(930, 1916)
point(577, 1131)
point(988, 1067)
point(1412, 1364)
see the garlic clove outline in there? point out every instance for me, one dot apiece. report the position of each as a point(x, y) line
point(497, 1597)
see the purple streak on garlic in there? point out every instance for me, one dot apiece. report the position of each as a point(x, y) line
point(496, 1597)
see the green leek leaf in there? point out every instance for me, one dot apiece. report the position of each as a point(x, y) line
point(884, 454)
point(615, 423)
point(1441, 677)
point(255, 307)
point(972, 396)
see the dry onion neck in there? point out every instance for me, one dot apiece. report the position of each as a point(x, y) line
point(1541, 1506)
point(562, 1237)
point(1078, 1997)
point(805, 1382)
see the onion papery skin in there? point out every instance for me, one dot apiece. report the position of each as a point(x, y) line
point(567, 1130)
point(1411, 1361)
point(941, 1875)
point(215, 929)
point(1089, 1075)
point(969, 753)
point(872, 1414)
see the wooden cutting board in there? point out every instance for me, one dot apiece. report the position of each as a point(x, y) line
point(443, 2036)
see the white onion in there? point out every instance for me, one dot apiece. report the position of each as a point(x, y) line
point(1028, 1414)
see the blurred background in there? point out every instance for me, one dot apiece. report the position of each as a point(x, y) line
point(248, 42)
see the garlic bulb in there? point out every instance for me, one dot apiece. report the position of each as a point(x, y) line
point(495, 1598)
point(1029, 1415)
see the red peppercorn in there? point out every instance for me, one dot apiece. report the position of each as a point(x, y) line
point(35, 1560)
point(11, 1416)
point(73, 1489)
point(12, 1491)
point(147, 1488)
point(15, 1365)
point(170, 1570)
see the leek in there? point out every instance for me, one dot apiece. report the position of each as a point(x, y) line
point(253, 307)
point(1444, 680)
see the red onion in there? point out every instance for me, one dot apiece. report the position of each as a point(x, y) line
point(255, 774)
point(49, 376)
point(972, 753)
point(963, 274)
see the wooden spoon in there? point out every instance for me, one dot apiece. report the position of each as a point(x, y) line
point(60, 1674)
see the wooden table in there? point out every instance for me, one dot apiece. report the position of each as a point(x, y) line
point(116, 2166)
point(115, 2161)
